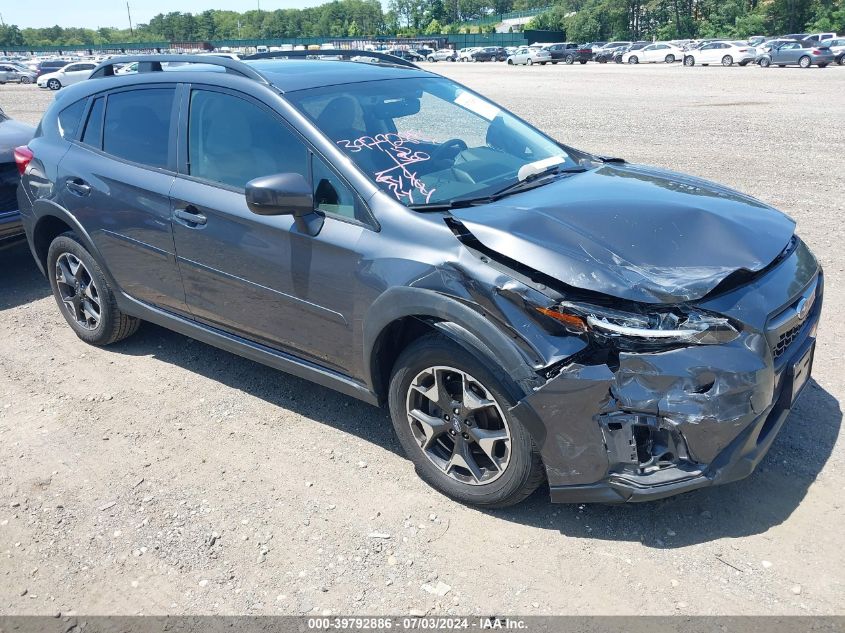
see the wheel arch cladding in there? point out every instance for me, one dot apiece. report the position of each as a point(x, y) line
point(401, 315)
point(51, 220)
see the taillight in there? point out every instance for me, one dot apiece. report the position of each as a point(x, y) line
point(816, 51)
point(23, 155)
point(743, 50)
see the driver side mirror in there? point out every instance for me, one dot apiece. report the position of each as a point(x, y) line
point(285, 194)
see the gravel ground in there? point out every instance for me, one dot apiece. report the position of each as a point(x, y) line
point(163, 476)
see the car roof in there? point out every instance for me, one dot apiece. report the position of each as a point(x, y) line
point(289, 75)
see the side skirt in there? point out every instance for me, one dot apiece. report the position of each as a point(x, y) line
point(248, 349)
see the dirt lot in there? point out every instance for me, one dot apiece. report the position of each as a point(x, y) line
point(161, 475)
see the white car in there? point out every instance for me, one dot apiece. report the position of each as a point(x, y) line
point(659, 52)
point(725, 53)
point(70, 74)
point(465, 54)
point(530, 55)
point(837, 47)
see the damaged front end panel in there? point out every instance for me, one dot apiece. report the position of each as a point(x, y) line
point(669, 399)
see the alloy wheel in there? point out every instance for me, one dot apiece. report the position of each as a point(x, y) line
point(78, 291)
point(458, 425)
point(804, 62)
point(54, 84)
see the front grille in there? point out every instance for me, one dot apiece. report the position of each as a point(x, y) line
point(785, 340)
point(785, 327)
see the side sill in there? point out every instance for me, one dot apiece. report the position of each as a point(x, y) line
point(248, 349)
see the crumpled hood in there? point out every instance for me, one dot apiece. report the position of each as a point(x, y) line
point(633, 232)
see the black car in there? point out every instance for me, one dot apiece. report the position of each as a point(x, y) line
point(617, 55)
point(50, 66)
point(527, 310)
point(607, 52)
point(489, 54)
point(12, 134)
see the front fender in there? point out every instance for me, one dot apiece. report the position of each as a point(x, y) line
point(456, 319)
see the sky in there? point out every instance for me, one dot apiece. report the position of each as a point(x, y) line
point(97, 13)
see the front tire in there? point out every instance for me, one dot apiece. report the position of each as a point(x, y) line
point(689, 61)
point(633, 60)
point(26, 80)
point(670, 59)
point(480, 455)
point(765, 62)
point(83, 294)
point(530, 62)
point(54, 84)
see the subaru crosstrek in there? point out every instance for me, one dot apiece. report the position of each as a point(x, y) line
point(527, 310)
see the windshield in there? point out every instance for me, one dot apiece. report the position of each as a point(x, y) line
point(427, 141)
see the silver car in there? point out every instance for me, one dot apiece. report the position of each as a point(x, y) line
point(9, 73)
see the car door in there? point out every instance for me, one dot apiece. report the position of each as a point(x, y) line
point(707, 53)
point(116, 179)
point(6, 74)
point(76, 73)
point(787, 54)
point(263, 277)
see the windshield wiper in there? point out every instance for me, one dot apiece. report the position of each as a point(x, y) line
point(535, 180)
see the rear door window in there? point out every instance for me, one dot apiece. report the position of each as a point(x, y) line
point(69, 119)
point(137, 126)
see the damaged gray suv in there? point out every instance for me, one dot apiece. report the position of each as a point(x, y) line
point(530, 312)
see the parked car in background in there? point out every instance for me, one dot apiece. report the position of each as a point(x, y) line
point(837, 47)
point(442, 55)
point(820, 37)
point(530, 55)
point(725, 53)
point(411, 56)
point(465, 54)
point(15, 74)
point(12, 134)
point(805, 53)
point(489, 54)
point(659, 52)
point(559, 50)
point(50, 66)
point(67, 76)
point(636, 46)
point(766, 46)
point(605, 53)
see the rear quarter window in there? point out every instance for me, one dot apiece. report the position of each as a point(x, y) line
point(69, 118)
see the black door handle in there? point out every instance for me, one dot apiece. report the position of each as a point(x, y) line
point(78, 186)
point(190, 215)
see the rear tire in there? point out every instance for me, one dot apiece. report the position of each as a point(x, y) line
point(582, 61)
point(823, 65)
point(465, 381)
point(569, 60)
point(83, 294)
point(744, 63)
point(727, 60)
point(805, 62)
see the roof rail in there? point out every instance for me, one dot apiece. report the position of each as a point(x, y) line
point(152, 63)
point(347, 54)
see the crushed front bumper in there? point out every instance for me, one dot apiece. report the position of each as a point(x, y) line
point(644, 426)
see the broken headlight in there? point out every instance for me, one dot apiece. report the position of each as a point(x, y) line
point(686, 325)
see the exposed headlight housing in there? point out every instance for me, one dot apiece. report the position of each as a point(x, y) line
point(662, 326)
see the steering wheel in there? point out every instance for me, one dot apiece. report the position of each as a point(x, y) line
point(448, 149)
